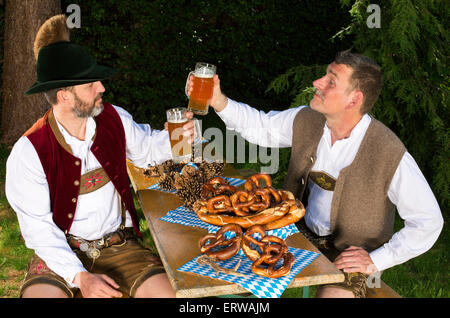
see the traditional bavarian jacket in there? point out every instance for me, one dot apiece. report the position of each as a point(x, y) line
point(51, 178)
point(321, 170)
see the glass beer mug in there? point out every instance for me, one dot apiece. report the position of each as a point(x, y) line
point(181, 148)
point(202, 90)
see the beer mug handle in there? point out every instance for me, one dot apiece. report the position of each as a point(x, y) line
point(187, 81)
point(197, 132)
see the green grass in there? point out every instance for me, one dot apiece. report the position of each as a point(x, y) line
point(423, 276)
point(426, 275)
point(14, 256)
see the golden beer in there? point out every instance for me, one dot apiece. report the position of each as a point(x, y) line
point(181, 148)
point(202, 90)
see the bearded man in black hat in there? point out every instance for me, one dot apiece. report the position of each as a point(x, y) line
point(67, 181)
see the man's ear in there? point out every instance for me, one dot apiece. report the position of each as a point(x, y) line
point(62, 96)
point(356, 99)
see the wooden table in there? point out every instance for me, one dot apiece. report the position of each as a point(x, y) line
point(177, 244)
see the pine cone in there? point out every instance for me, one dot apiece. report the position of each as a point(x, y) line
point(152, 171)
point(189, 171)
point(191, 189)
point(166, 182)
point(185, 179)
point(178, 180)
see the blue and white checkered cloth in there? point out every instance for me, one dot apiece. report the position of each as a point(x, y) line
point(233, 181)
point(261, 287)
point(185, 216)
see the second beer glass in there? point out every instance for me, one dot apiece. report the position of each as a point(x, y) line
point(202, 90)
point(181, 149)
point(179, 144)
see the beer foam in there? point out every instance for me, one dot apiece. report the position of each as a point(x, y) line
point(177, 120)
point(204, 72)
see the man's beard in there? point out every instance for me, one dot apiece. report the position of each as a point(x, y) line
point(84, 110)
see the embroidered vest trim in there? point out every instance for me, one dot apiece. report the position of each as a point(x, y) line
point(63, 170)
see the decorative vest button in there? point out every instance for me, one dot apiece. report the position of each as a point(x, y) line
point(312, 159)
point(303, 181)
point(77, 163)
point(74, 200)
point(76, 183)
point(70, 215)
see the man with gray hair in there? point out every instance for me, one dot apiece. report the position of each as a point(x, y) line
point(350, 171)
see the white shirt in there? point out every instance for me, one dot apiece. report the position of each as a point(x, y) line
point(409, 191)
point(97, 213)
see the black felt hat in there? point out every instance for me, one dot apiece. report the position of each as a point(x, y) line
point(65, 64)
point(61, 63)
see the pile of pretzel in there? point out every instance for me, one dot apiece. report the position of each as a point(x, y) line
point(258, 203)
point(265, 252)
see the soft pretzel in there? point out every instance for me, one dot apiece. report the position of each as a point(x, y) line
point(274, 244)
point(215, 187)
point(248, 239)
point(262, 199)
point(294, 215)
point(207, 190)
point(219, 204)
point(275, 194)
point(272, 250)
point(270, 271)
point(254, 180)
point(265, 217)
point(232, 246)
point(241, 203)
point(259, 203)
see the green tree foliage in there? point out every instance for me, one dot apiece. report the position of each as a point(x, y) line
point(154, 44)
point(411, 46)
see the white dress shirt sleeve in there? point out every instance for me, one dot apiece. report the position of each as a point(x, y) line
point(272, 129)
point(418, 207)
point(28, 194)
point(144, 145)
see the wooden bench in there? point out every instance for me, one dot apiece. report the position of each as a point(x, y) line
point(383, 292)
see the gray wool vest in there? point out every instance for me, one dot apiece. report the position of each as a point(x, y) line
point(361, 212)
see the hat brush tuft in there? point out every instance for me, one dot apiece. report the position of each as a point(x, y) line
point(52, 31)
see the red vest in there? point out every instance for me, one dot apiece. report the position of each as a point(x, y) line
point(63, 170)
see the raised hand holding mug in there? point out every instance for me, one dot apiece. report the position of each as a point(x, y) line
point(202, 90)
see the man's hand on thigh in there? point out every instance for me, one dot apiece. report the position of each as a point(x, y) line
point(97, 285)
point(355, 259)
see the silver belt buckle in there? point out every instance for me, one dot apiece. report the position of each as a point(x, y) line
point(100, 243)
point(84, 247)
point(93, 252)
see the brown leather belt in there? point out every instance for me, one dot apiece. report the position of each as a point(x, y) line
point(92, 248)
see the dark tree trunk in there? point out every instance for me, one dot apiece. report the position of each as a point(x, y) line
point(22, 21)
